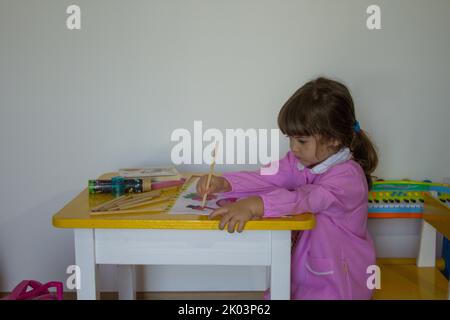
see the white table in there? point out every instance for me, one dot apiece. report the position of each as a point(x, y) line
point(165, 239)
point(126, 248)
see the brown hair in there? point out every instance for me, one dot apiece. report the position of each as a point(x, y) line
point(325, 107)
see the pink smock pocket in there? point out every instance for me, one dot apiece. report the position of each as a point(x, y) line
point(319, 266)
point(320, 280)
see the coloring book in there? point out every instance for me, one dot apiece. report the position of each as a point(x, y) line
point(189, 202)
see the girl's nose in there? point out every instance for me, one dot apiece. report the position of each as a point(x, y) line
point(293, 146)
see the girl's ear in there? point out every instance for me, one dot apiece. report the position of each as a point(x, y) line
point(335, 143)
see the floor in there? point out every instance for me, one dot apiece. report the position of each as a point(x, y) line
point(241, 295)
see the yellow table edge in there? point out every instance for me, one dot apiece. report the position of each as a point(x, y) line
point(306, 222)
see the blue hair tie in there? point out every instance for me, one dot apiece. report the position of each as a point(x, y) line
point(356, 127)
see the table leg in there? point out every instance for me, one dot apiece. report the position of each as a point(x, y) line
point(127, 282)
point(85, 260)
point(280, 270)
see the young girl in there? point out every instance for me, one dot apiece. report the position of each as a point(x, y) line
point(326, 172)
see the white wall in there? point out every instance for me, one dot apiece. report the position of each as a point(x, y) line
point(76, 104)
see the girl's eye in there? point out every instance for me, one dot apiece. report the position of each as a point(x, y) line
point(301, 141)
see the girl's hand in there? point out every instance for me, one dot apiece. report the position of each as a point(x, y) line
point(217, 184)
point(238, 213)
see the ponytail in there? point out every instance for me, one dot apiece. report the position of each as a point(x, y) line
point(364, 153)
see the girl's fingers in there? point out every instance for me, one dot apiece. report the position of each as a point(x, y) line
point(210, 189)
point(202, 185)
point(218, 212)
point(212, 185)
point(199, 186)
point(232, 225)
point(241, 226)
point(224, 221)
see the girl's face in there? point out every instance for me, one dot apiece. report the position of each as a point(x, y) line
point(309, 152)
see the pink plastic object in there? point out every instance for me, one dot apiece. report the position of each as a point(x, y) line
point(167, 184)
point(38, 291)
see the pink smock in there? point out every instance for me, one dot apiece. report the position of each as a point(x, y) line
point(331, 260)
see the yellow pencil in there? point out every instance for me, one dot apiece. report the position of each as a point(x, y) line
point(139, 203)
point(211, 170)
point(125, 199)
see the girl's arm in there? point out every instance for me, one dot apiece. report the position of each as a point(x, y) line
point(344, 189)
point(246, 183)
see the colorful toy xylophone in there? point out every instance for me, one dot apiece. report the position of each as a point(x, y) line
point(403, 198)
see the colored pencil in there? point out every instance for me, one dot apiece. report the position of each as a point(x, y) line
point(141, 203)
point(126, 198)
point(211, 170)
